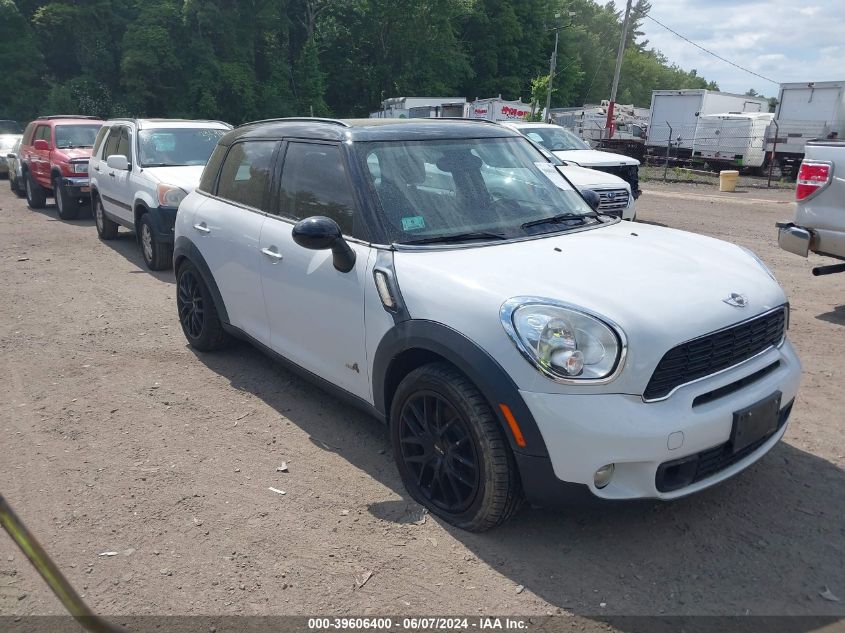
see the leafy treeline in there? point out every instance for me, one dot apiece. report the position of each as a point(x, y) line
point(252, 59)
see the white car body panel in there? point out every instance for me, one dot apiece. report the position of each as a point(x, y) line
point(675, 273)
point(594, 158)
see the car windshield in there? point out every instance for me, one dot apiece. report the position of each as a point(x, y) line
point(469, 189)
point(172, 147)
point(554, 138)
point(69, 136)
point(10, 127)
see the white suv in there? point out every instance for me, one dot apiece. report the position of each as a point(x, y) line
point(575, 151)
point(140, 170)
point(443, 276)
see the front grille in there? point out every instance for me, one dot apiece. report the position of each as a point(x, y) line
point(613, 201)
point(628, 173)
point(688, 470)
point(715, 352)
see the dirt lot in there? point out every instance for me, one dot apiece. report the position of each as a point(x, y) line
point(116, 437)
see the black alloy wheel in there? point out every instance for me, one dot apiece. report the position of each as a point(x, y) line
point(439, 451)
point(189, 299)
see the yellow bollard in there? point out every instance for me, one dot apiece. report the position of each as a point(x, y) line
point(727, 180)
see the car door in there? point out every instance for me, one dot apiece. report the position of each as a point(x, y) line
point(227, 228)
point(120, 196)
point(40, 162)
point(105, 183)
point(316, 312)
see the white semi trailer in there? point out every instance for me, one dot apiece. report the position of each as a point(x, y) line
point(805, 111)
point(675, 115)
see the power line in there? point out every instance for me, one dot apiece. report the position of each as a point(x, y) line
point(727, 61)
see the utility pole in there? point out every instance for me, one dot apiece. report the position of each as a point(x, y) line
point(552, 66)
point(609, 126)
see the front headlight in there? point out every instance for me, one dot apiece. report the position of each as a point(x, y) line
point(564, 342)
point(170, 195)
point(79, 168)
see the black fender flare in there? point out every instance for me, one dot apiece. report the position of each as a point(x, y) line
point(491, 379)
point(185, 250)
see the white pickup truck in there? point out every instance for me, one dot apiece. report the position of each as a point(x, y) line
point(819, 224)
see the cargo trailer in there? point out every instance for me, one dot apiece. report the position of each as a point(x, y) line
point(732, 139)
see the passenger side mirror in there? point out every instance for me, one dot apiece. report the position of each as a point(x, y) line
point(118, 161)
point(320, 233)
point(592, 198)
point(41, 145)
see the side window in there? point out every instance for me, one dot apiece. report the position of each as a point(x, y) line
point(247, 172)
point(124, 147)
point(111, 142)
point(101, 136)
point(314, 182)
point(209, 174)
point(43, 133)
point(28, 134)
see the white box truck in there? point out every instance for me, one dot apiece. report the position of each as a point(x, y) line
point(805, 111)
point(732, 139)
point(498, 109)
point(420, 107)
point(676, 112)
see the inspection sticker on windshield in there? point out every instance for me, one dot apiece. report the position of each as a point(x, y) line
point(413, 223)
point(551, 172)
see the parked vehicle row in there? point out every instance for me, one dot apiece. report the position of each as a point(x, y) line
point(448, 278)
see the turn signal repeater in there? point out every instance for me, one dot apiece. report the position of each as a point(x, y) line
point(383, 287)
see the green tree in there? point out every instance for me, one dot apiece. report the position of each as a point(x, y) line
point(21, 82)
point(310, 82)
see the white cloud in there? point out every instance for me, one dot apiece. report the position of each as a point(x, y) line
point(771, 38)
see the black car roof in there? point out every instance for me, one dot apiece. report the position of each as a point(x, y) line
point(369, 129)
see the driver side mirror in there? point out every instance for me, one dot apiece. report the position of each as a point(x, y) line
point(41, 145)
point(319, 233)
point(11, 155)
point(592, 198)
point(118, 161)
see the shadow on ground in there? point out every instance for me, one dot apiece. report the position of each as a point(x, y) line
point(126, 245)
point(769, 541)
point(836, 316)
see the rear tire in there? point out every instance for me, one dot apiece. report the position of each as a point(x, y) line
point(67, 206)
point(197, 313)
point(157, 256)
point(106, 227)
point(451, 451)
point(36, 197)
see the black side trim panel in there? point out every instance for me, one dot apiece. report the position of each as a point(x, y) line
point(543, 489)
point(493, 381)
point(116, 203)
point(186, 249)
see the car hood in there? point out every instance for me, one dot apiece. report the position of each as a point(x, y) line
point(186, 177)
point(72, 153)
point(661, 286)
point(584, 178)
point(595, 158)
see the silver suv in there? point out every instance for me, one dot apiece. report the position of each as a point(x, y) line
point(140, 171)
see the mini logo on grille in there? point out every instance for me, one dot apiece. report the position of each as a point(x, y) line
point(736, 300)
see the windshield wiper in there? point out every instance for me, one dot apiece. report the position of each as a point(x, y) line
point(458, 237)
point(561, 217)
point(164, 165)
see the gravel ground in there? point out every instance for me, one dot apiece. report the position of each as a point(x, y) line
point(116, 437)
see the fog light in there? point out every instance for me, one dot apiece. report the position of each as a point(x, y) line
point(603, 475)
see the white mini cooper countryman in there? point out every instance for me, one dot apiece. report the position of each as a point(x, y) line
point(445, 277)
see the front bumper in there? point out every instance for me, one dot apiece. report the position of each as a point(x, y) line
point(77, 186)
point(163, 220)
point(585, 432)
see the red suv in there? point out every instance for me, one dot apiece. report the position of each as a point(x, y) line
point(54, 161)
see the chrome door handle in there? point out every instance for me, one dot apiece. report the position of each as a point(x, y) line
point(111, 173)
point(202, 228)
point(97, 169)
point(271, 253)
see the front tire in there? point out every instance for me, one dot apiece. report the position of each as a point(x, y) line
point(67, 206)
point(451, 452)
point(197, 313)
point(106, 227)
point(157, 256)
point(36, 197)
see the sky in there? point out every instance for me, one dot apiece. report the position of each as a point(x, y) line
point(784, 40)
